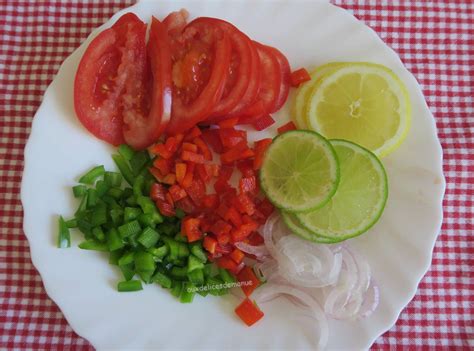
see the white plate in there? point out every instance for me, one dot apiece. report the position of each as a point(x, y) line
point(83, 285)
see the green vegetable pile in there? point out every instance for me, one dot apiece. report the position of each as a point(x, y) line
point(124, 221)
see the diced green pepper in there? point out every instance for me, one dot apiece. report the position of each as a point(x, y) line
point(129, 285)
point(92, 175)
point(149, 237)
point(93, 245)
point(126, 151)
point(79, 190)
point(64, 237)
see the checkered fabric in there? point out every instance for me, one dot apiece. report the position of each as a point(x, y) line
point(435, 40)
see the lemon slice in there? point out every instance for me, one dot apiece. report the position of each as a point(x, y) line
point(304, 92)
point(362, 102)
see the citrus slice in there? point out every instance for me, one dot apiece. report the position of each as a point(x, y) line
point(304, 91)
point(300, 171)
point(293, 224)
point(362, 102)
point(359, 200)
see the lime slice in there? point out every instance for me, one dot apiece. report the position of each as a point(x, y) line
point(359, 200)
point(304, 92)
point(362, 102)
point(300, 171)
point(293, 224)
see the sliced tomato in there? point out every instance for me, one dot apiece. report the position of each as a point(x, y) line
point(285, 78)
point(253, 87)
point(270, 83)
point(145, 119)
point(199, 73)
point(239, 68)
point(102, 75)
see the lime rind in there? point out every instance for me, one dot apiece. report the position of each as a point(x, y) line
point(279, 158)
point(304, 219)
point(296, 228)
point(314, 98)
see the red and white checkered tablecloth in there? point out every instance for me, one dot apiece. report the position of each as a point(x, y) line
point(435, 40)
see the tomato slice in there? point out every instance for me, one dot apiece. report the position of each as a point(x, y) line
point(271, 78)
point(240, 68)
point(285, 78)
point(201, 62)
point(145, 116)
point(102, 75)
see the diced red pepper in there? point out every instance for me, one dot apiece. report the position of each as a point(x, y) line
point(248, 184)
point(233, 216)
point(263, 122)
point(212, 169)
point(249, 312)
point(156, 174)
point(210, 244)
point(223, 239)
point(169, 199)
point(245, 205)
point(248, 279)
point(192, 157)
point(177, 193)
point(211, 201)
point(187, 205)
point(266, 207)
point(248, 226)
point(163, 165)
point(190, 147)
point(193, 133)
point(211, 137)
point(165, 208)
point(228, 123)
point(227, 263)
point(225, 172)
point(231, 137)
point(246, 168)
point(160, 150)
point(220, 228)
point(255, 239)
point(299, 76)
point(203, 148)
point(188, 178)
point(202, 172)
point(190, 228)
point(237, 255)
point(169, 179)
point(286, 128)
point(221, 186)
point(196, 191)
point(224, 249)
point(238, 152)
point(180, 170)
point(158, 192)
point(260, 148)
point(172, 144)
point(222, 210)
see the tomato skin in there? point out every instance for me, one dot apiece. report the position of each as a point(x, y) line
point(186, 114)
point(240, 66)
point(254, 85)
point(142, 128)
point(270, 83)
point(285, 78)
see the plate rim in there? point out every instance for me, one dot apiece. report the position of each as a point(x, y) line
point(439, 201)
